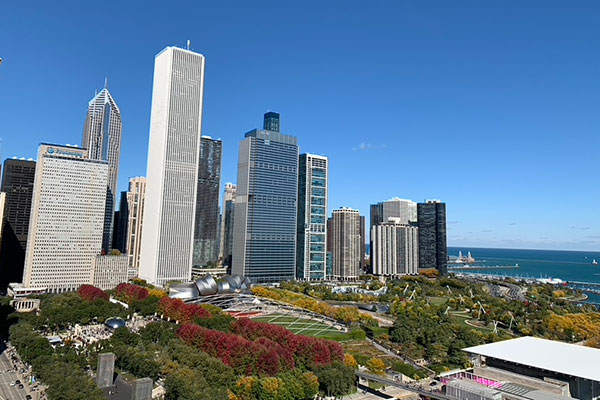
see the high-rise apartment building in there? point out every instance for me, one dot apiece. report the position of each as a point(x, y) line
point(433, 250)
point(135, 205)
point(227, 223)
point(17, 183)
point(346, 243)
point(173, 155)
point(405, 210)
point(206, 232)
point(264, 238)
point(401, 210)
point(395, 249)
point(102, 139)
point(66, 226)
point(311, 247)
point(2, 206)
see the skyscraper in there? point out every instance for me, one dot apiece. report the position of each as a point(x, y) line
point(395, 248)
point(206, 232)
point(227, 223)
point(17, 183)
point(433, 250)
point(173, 153)
point(135, 205)
point(401, 210)
point(311, 261)
point(102, 139)
point(345, 242)
point(264, 238)
point(67, 221)
point(120, 225)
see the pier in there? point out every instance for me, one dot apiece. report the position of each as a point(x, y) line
point(467, 267)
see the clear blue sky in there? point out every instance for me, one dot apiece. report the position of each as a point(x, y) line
point(491, 106)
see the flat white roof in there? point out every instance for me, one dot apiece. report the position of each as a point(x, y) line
point(550, 355)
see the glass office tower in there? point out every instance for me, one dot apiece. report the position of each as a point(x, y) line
point(264, 238)
point(433, 250)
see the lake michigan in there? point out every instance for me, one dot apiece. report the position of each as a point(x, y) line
point(566, 265)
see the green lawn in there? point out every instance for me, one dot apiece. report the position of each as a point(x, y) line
point(302, 326)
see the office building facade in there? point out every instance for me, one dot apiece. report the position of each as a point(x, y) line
point(135, 205)
point(173, 153)
point(108, 271)
point(227, 215)
point(17, 183)
point(206, 232)
point(395, 249)
point(264, 238)
point(102, 139)
point(311, 247)
point(346, 243)
point(404, 210)
point(67, 218)
point(433, 250)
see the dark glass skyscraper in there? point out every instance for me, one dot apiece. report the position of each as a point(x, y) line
point(17, 183)
point(206, 230)
point(264, 238)
point(120, 225)
point(271, 122)
point(433, 250)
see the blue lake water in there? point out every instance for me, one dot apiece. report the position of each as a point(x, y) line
point(566, 265)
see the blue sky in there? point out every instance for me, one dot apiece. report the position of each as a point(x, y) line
point(491, 106)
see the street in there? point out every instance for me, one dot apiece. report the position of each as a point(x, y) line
point(8, 392)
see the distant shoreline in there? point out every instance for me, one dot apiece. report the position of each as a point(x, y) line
point(511, 248)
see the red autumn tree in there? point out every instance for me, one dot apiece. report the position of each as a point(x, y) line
point(91, 293)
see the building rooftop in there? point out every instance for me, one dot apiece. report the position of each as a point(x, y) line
point(549, 355)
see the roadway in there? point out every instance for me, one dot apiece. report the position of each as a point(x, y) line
point(8, 392)
point(408, 387)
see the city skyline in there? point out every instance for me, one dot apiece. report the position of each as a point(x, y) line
point(483, 139)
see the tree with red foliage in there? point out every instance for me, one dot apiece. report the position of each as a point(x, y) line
point(179, 311)
point(92, 293)
point(128, 292)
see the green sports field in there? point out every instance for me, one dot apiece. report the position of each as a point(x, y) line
point(301, 326)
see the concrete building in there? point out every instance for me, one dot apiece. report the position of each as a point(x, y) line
point(17, 183)
point(433, 249)
point(227, 215)
point(538, 368)
point(346, 243)
point(102, 139)
point(206, 231)
point(264, 238)
point(109, 270)
point(311, 247)
point(173, 154)
point(106, 370)
point(395, 250)
point(67, 218)
point(135, 205)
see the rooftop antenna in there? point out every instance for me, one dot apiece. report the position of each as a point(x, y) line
point(188, 44)
point(106, 82)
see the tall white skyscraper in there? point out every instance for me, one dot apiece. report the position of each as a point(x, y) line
point(66, 224)
point(346, 244)
point(173, 154)
point(102, 139)
point(311, 248)
point(136, 198)
point(395, 248)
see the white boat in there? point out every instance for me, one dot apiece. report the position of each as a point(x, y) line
point(594, 262)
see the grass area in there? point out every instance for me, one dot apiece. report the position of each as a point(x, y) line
point(303, 326)
point(438, 301)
